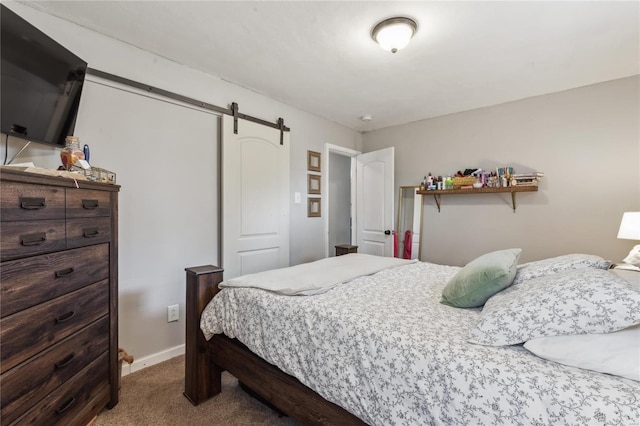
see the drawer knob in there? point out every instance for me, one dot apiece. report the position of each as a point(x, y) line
point(66, 317)
point(32, 203)
point(33, 239)
point(89, 204)
point(64, 272)
point(66, 405)
point(90, 232)
point(65, 361)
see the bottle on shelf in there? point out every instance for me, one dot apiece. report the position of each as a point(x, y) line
point(449, 183)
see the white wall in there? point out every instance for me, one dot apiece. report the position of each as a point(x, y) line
point(586, 140)
point(144, 296)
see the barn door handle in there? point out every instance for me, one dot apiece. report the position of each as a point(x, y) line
point(32, 203)
point(387, 232)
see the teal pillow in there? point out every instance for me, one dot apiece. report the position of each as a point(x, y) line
point(481, 278)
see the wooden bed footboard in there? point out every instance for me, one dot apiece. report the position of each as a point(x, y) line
point(205, 361)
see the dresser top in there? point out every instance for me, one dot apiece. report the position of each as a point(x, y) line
point(8, 175)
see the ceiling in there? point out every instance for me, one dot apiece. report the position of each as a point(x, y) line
point(318, 56)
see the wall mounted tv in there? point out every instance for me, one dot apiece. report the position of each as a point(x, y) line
point(41, 83)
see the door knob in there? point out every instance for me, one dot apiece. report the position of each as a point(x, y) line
point(387, 232)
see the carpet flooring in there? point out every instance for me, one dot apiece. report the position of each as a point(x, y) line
point(153, 396)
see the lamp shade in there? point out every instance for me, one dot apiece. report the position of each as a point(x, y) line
point(630, 226)
point(394, 33)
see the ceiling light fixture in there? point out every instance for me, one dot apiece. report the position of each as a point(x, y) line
point(394, 33)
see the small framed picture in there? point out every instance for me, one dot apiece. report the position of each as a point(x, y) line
point(313, 207)
point(313, 161)
point(313, 184)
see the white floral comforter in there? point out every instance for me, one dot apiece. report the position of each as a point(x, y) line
point(385, 349)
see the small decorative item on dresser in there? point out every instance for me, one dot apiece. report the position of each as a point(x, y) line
point(96, 174)
point(71, 152)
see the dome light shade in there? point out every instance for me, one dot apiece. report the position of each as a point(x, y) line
point(394, 33)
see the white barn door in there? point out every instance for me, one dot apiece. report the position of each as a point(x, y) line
point(255, 198)
point(374, 202)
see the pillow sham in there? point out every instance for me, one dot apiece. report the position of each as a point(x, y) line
point(481, 278)
point(616, 353)
point(579, 301)
point(553, 265)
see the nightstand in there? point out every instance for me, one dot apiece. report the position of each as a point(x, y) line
point(624, 267)
point(345, 249)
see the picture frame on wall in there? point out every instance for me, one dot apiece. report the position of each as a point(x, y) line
point(313, 161)
point(313, 184)
point(314, 207)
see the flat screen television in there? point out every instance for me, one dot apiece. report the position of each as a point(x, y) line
point(41, 83)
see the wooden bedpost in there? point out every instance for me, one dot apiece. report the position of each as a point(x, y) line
point(202, 378)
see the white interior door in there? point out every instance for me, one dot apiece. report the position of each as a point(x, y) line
point(374, 205)
point(255, 198)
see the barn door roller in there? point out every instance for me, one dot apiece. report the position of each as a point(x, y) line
point(278, 125)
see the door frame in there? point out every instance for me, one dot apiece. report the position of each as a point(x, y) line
point(347, 152)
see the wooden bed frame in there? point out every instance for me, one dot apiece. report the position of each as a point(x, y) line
point(206, 360)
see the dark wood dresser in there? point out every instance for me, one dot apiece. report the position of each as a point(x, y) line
point(58, 299)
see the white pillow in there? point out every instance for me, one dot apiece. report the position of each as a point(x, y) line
point(578, 301)
point(554, 265)
point(616, 353)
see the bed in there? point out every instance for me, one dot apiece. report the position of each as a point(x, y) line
point(382, 349)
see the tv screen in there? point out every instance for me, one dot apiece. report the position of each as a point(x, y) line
point(41, 83)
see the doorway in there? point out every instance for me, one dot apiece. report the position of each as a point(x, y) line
point(339, 200)
point(340, 203)
point(370, 200)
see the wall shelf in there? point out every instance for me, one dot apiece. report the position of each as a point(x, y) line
point(512, 189)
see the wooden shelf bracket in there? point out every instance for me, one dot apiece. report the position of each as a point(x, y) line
point(437, 198)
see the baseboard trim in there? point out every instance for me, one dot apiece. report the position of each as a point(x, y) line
point(149, 360)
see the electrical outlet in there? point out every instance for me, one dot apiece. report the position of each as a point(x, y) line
point(173, 313)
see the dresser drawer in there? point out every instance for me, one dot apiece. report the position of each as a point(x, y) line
point(83, 232)
point(66, 404)
point(88, 203)
point(29, 382)
point(28, 332)
point(26, 238)
point(31, 202)
point(28, 282)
